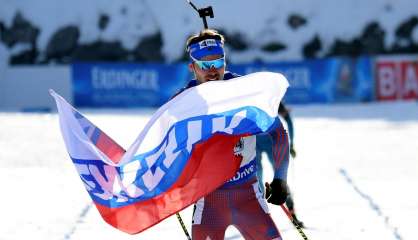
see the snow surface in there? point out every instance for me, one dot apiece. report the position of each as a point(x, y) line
point(258, 22)
point(354, 177)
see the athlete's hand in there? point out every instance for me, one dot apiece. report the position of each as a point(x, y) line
point(277, 191)
point(292, 151)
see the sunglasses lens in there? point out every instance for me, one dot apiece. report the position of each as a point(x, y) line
point(206, 65)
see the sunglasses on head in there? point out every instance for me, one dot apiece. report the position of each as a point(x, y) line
point(208, 64)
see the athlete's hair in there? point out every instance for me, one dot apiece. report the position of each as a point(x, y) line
point(204, 34)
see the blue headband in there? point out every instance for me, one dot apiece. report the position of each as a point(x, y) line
point(205, 48)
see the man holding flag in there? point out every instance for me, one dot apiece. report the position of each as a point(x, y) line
point(239, 201)
point(187, 151)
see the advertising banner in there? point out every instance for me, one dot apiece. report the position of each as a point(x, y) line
point(322, 80)
point(396, 77)
point(151, 85)
point(126, 84)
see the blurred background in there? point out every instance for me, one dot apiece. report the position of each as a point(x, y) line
point(353, 73)
point(130, 53)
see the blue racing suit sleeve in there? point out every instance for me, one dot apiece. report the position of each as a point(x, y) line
point(284, 112)
point(280, 149)
point(289, 123)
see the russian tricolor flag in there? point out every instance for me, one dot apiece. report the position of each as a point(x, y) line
point(184, 152)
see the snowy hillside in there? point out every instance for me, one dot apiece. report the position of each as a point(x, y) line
point(155, 30)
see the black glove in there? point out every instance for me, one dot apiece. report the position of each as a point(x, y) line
point(277, 191)
point(292, 151)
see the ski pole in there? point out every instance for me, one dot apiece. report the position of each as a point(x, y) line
point(294, 222)
point(183, 226)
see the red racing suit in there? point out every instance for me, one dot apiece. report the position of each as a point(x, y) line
point(240, 202)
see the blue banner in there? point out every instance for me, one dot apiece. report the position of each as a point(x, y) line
point(353, 80)
point(322, 80)
point(125, 84)
point(151, 85)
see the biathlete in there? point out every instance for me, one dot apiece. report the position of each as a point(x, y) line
point(240, 201)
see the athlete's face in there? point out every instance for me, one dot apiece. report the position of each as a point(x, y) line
point(209, 68)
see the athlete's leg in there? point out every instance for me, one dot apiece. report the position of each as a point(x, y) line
point(251, 216)
point(205, 232)
point(210, 217)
